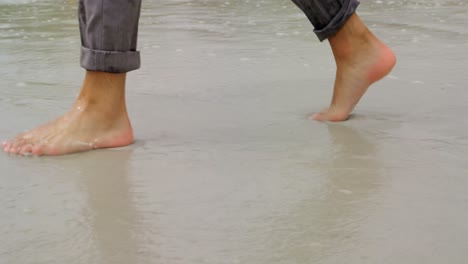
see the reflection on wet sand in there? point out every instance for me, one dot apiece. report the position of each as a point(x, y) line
point(325, 225)
point(354, 166)
point(111, 211)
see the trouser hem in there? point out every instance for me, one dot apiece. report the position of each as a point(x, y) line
point(109, 61)
point(338, 21)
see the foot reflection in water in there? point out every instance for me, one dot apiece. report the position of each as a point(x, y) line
point(325, 222)
point(112, 213)
point(353, 166)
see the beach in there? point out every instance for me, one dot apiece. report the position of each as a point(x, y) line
point(226, 167)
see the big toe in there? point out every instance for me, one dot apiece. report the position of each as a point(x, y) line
point(45, 149)
point(330, 115)
point(38, 150)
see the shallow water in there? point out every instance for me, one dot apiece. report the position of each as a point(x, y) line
point(225, 168)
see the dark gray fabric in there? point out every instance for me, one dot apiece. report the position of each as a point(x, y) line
point(109, 31)
point(327, 16)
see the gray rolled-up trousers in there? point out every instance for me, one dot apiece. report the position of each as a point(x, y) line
point(109, 29)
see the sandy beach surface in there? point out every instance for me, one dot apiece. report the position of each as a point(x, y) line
point(226, 168)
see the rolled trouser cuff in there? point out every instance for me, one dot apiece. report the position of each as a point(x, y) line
point(347, 10)
point(109, 61)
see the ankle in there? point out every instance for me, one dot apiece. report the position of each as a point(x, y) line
point(353, 37)
point(103, 92)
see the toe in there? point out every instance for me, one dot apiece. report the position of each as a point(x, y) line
point(39, 150)
point(332, 116)
point(26, 150)
point(11, 150)
point(5, 146)
point(17, 150)
point(16, 146)
point(7, 143)
point(319, 117)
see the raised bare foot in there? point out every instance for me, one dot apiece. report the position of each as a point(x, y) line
point(98, 119)
point(361, 60)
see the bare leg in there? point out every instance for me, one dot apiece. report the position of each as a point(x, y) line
point(97, 119)
point(361, 60)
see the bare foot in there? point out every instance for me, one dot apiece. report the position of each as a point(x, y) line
point(361, 60)
point(98, 119)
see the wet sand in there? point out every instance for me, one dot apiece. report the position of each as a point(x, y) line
point(225, 167)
